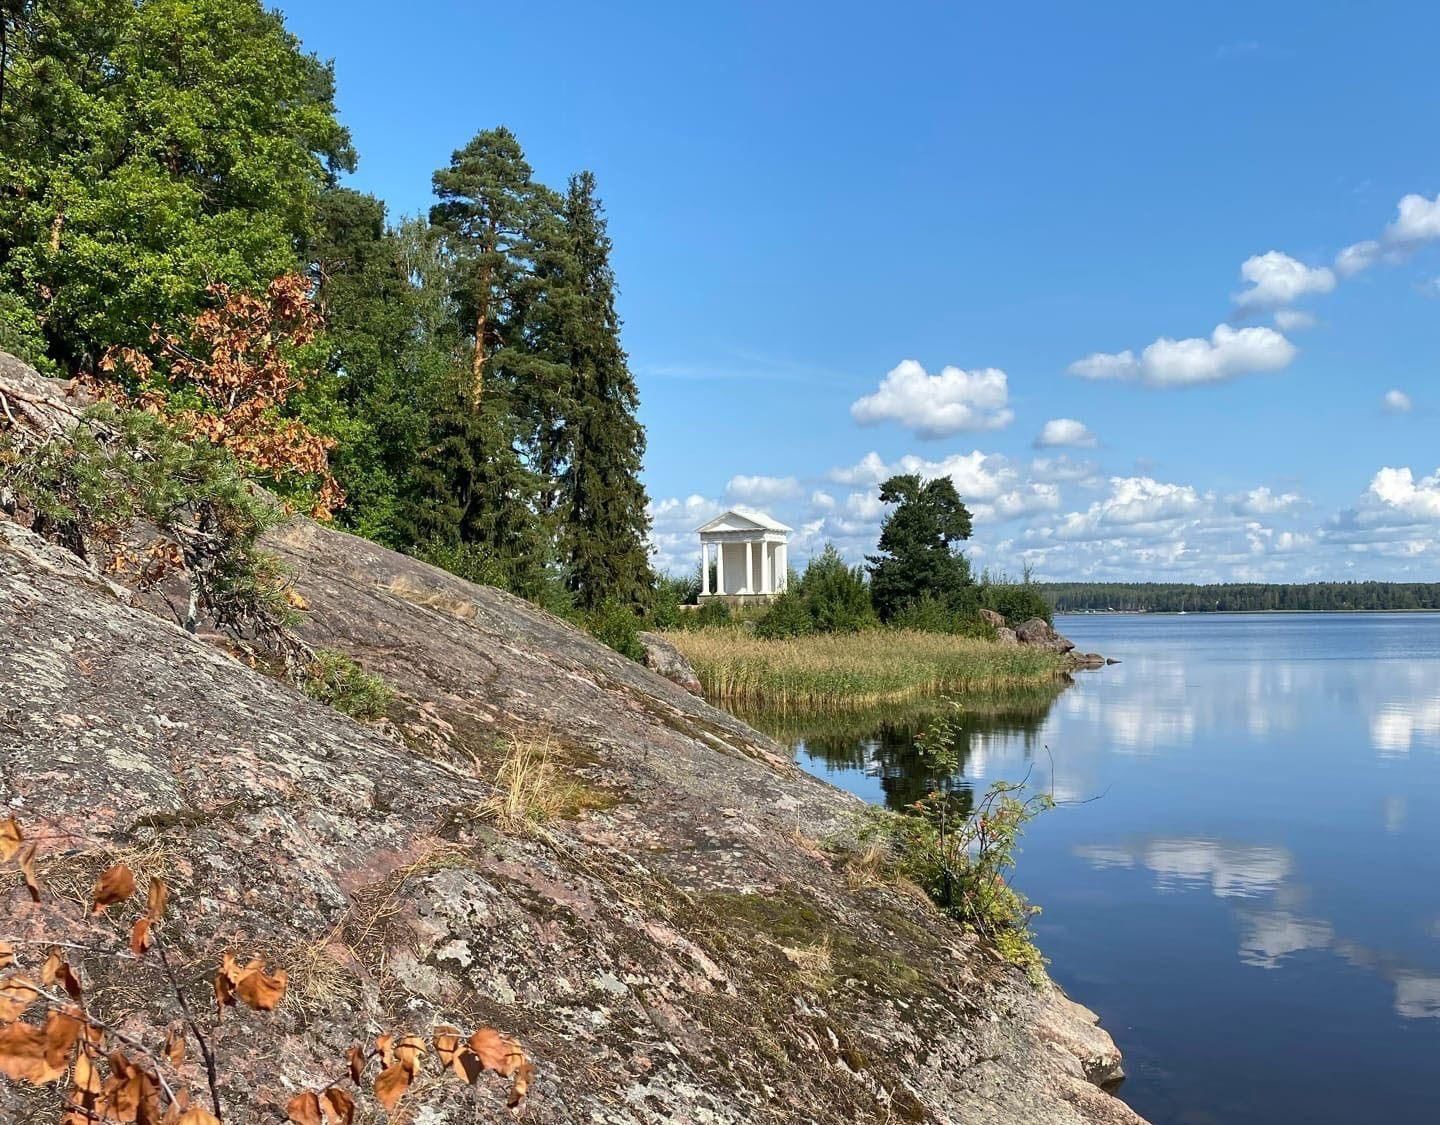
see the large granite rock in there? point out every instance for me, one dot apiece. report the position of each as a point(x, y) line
point(658, 950)
point(665, 659)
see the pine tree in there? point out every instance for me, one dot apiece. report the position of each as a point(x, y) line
point(602, 503)
point(918, 556)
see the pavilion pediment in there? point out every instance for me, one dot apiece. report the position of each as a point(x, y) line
point(741, 521)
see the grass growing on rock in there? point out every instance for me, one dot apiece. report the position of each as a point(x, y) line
point(846, 671)
point(335, 679)
point(532, 790)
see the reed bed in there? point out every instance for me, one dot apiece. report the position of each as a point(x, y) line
point(851, 671)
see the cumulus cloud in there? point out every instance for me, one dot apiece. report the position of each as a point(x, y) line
point(1293, 320)
point(1263, 502)
point(1178, 363)
point(1277, 279)
point(761, 489)
point(1135, 507)
point(1065, 431)
point(979, 475)
point(1357, 257)
point(1396, 491)
point(1065, 469)
point(938, 405)
point(1418, 220)
point(1396, 401)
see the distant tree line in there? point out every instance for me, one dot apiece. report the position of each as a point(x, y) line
point(159, 158)
point(1238, 597)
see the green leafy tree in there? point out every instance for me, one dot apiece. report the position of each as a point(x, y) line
point(151, 148)
point(918, 554)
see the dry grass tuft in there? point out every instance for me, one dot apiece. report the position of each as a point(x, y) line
point(416, 594)
point(531, 790)
point(868, 867)
point(814, 964)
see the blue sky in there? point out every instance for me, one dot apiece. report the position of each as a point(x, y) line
point(818, 208)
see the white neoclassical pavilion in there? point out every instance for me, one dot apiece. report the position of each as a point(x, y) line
point(750, 553)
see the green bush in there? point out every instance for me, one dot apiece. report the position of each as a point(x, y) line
point(20, 334)
point(616, 625)
point(1016, 602)
point(668, 594)
point(543, 585)
point(926, 614)
point(338, 681)
point(789, 616)
point(837, 596)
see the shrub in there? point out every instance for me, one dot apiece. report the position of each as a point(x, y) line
point(837, 596)
point(474, 562)
point(926, 614)
point(789, 616)
point(1016, 602)
point(338, 681)
point(616, 625)
point(962, 857)
point(668, 594)
point(89, 488)
point(20, 335)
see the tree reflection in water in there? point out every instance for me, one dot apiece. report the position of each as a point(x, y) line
point(881, 743)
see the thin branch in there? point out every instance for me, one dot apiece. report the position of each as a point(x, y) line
point(211, 1074)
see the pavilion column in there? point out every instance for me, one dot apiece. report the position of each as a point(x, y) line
point(720, 567)
point(782, 567)
point(750, 566)
point(767, 573)
point(704, 567)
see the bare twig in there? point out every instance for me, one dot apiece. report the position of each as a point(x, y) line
point(211, 1073)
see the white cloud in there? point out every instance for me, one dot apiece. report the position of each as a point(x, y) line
point(1135, 507)
point(938, 405)
point(822, 500)
point(982, 476)
point(1397, 491)
point(1357, 257)
point(762, 490)
point(1065, 469)
point(1397, 401)
point(1418, 221)
point(1262, 502)
point(1293, 320)
point(1065, 431)
point(1178, 363)
point(1277, 279)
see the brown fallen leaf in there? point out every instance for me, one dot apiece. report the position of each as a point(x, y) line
point(57, 970)
point(524, 1078)
point(338, 1105)
point(156, 899)
point(259, 991)
point(22, 1053)
point(391, 1084)
point(115, 884)
point(304, 1108)
point(27, 871)
point(16, 994)
point(357, 1060)
point(10, 838)
point(197, 1116)
point(175, 1044)
point(140, 936)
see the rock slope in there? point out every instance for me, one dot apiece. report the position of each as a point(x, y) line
point(679, 948)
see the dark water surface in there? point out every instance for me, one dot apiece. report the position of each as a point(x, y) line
point(1253, 904)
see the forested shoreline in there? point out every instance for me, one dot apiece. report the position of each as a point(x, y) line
point(1239, 597)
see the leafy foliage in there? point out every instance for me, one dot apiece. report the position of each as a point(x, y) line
point(334, 678)
point(917, 545)
point(616, 625)
point(150, 148)
point(228, 380)
point(1017, 602)
point(88, 488)
point(139, 1075)
point(962, 853)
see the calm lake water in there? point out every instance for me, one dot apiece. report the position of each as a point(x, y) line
point(1252, 904)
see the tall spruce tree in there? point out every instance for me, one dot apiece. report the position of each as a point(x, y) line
point(602, 503)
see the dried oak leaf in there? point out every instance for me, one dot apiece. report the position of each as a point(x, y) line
point(338, 1105)
point(391, 1084)
point(22, 1053)
point(304, 1108)
point(175, 1044)
point(250, 983)
point(452, 1052)
point(356, 1058)
point(156, 899)
point(496, 1052)
point(10, 838)
point(140, 936)
point(57, 970)
point(197, 1116)
point(16, 994)
point(62, 1032)
point(27, 871)
point(385, 1048)
point(115, 884)
point(408, 1053)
